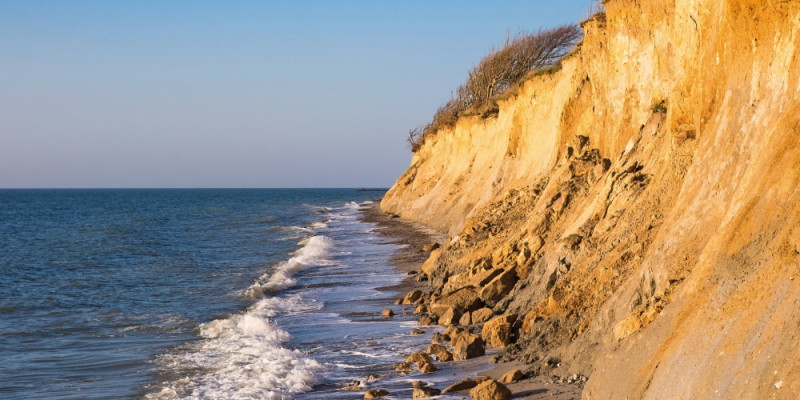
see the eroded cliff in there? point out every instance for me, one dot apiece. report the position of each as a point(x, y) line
point(655, 251)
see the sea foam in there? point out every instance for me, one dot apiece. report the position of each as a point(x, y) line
point(242, 356)
point(313, 253)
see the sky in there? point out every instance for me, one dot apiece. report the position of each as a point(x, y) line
point(152, 94)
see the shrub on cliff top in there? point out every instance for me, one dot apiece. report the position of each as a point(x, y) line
point(502, 68)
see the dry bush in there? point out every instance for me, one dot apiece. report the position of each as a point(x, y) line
point(501, 69)
point(414, 138)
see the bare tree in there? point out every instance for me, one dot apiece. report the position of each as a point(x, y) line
point(414, 138)
point(515, 59)
point(498, 71)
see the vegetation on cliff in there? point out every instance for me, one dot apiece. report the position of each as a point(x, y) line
point(504, 67)
point(634, 217)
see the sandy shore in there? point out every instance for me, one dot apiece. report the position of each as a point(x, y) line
point(410, 258)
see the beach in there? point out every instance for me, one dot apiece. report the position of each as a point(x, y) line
point(415, 239)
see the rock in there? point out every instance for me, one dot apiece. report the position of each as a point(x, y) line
point(465, 384)
point(426, 320)
point(490, 390)
point(439, 338)
point(468, 346)
point(416, 331)
point(466, 319)
point(499, 287)
point(387, 313)
point(501, 254)
point(511, 376)
point(523, 256)
point(412, 272)
point(498, 331)
point(418, 384)
point(423, 360)
point(441, 352)
point(431, 247)
point(413, 297)
point(482, 278)
point(375, 393)
point(425, 392)
point(426, 367)
point(417, 357)
point(354, 385)
point(481, 315)
point(404, 367)
point(449, 317)
point(462, 300)
point(430, 263)
point(421, 310)
point(452, 331)
point(528, 255)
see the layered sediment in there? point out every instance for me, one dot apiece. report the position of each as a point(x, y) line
point(637, 211)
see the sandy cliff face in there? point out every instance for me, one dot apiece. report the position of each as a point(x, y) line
point(656, 252)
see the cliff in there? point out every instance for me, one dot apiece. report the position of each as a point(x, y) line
point(653, 249)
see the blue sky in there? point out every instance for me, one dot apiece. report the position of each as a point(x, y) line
point(235, 94)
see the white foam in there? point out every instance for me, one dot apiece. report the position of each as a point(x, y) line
point(313, 253)
point(319, 225)
point(242, 358)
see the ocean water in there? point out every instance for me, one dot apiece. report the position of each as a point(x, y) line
point(196, 294)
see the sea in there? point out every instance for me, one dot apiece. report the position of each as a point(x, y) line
point(198, 294)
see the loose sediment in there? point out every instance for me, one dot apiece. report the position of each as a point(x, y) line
point(419, 241)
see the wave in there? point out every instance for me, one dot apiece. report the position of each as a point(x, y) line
point(313, 253)
point(242, 357)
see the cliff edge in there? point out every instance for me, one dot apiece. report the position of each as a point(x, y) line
point(641, 205)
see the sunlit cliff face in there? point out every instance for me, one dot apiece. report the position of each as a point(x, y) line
point(659, 170)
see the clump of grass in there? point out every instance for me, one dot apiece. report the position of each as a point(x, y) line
point(549, 70)
point(594, 12)
point(659, 107)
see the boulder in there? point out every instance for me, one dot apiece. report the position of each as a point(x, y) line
point(416, 331)
point(511, 376)
point(499, 287)
point(466, 319)
point(430, 263)
point(423, 360)
point(462, 300)
point(425, 392)
point(490, 390)
point(449, 317)
point(439, 338)
point(417, 357)
point(441, 352)
point(481, 315)
point(404, 367)
point(426, 367)
point(468, 346)
point(482, 278)
point(414, 297)
point(387, 313)
point(421, 309)
point(465, 384)
point(375, 393)
point(500, 255)
point(426, 320)
point(498, 331)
